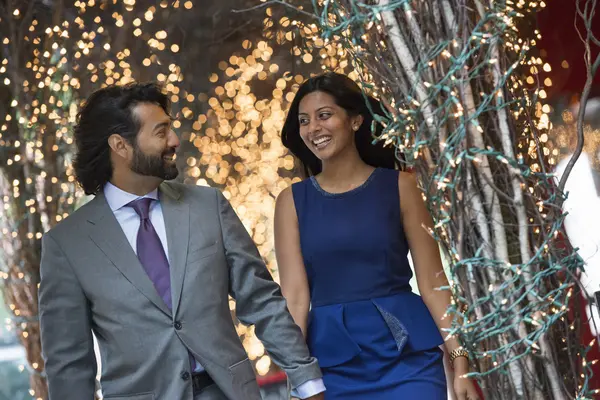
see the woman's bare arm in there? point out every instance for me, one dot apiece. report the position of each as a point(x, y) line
point(292, 274)
point(427, 261)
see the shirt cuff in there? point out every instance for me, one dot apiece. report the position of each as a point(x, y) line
point(309, 389)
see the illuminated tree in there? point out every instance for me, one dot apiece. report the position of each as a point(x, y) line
point(36, 107)
point(466, 107)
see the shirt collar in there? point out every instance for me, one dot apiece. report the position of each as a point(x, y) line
point(118, 198)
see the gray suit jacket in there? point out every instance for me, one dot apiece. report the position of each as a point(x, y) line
point(91, 279)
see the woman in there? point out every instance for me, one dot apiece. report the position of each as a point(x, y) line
point(342, 238)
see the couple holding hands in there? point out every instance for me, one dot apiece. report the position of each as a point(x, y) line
point(148, 265)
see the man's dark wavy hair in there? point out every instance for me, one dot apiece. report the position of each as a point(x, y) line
point(109, 111)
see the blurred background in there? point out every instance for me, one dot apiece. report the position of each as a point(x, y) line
point(231, 68)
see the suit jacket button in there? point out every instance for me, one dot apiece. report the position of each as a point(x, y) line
point(185, 376)
point(177, 325)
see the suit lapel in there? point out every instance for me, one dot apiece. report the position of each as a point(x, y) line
point(107, 234)
point(177, 223)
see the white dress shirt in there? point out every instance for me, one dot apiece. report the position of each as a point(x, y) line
point(129, 220)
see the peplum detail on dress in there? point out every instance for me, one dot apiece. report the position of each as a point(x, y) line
point(405, 314)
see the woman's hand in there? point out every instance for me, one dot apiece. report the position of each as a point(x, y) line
point(464, 388)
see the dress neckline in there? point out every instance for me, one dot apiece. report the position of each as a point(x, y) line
point(349, 192)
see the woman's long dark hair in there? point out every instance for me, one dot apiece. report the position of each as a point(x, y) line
point(348, 96)
point(108, 111)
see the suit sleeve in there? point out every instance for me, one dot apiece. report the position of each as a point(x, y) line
point(259, 301)
point(67, 342)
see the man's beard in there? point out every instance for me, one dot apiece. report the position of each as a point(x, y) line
point(151, 165)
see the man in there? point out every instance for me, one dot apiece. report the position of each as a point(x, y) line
point(147, 265)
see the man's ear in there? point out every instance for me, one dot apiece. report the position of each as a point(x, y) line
point(119, 145)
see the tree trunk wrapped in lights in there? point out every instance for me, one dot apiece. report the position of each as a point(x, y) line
point(457, 81)
point(35, 183)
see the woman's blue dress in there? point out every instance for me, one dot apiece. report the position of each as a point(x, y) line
point(374, 339)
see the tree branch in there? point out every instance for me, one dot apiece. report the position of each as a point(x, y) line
point(276, 2)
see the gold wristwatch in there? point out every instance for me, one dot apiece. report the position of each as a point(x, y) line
point(459, 352)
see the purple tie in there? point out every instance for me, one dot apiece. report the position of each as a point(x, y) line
point(152, 255)
point(151, 252)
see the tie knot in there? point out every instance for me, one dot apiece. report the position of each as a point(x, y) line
point(141, 207)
